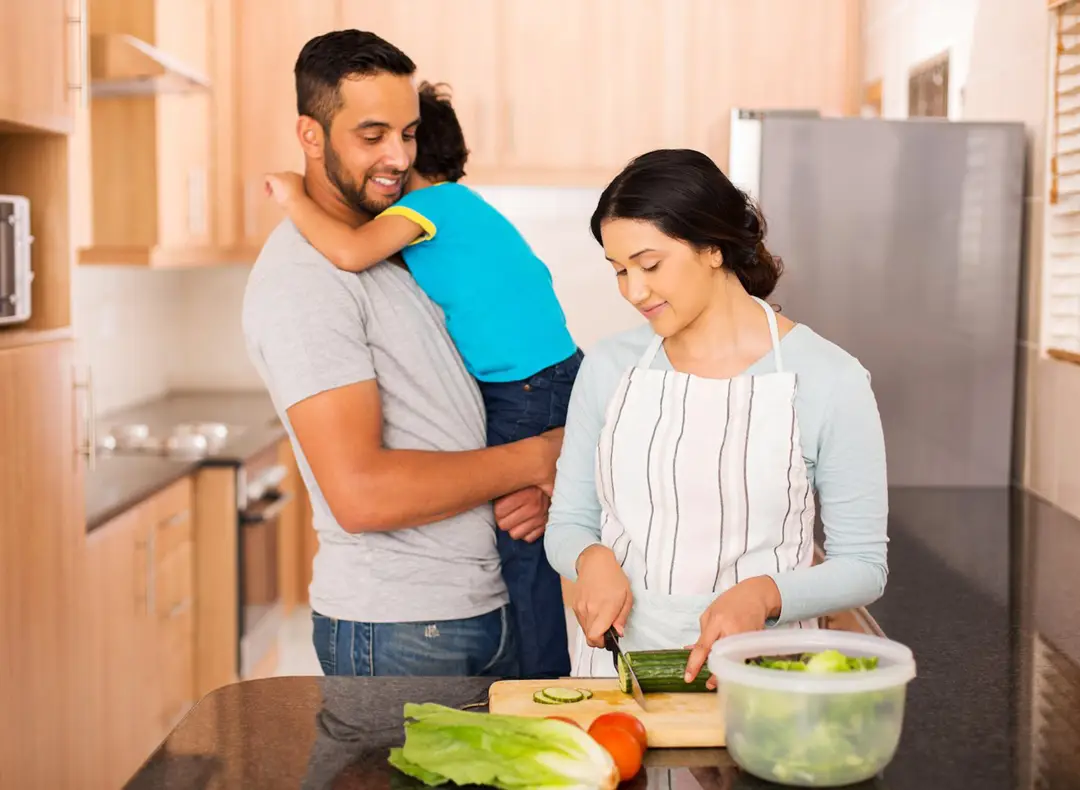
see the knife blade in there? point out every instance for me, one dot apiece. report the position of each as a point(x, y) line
point(611, 642)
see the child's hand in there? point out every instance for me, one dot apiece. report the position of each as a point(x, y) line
point(284, 187)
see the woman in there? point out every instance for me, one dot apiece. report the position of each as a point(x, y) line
point(685, 497)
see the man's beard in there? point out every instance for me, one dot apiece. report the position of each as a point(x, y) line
point(352, 193)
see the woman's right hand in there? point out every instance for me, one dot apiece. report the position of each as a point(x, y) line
point(602, 596)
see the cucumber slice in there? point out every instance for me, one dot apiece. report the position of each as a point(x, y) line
point(625, 684)
point(543, 699)
point(586, 694)
point(563, 695)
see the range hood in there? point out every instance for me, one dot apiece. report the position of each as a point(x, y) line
point(123, 65)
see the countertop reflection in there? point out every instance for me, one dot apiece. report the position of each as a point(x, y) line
point(984, 587)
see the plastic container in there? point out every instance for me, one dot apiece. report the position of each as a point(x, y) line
point(807, 729)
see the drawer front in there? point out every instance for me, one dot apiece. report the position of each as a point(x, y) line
point(175, 582)
point(171, 513)
point(176, 661)
point(174, 499)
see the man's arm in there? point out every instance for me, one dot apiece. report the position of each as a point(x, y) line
point(370, 488)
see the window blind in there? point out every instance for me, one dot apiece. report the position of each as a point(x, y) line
point(1061, 280)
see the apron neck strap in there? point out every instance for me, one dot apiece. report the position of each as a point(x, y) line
point(650, 352)
point(774, 334)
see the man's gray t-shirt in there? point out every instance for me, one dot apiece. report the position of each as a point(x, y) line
point(311, 328)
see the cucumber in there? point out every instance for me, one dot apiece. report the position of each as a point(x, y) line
point(543, 699)
point(585, 693)
point(661, 671)
point(563, 695)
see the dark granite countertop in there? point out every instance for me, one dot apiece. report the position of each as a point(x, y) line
point(983, 587)
point(123, 480)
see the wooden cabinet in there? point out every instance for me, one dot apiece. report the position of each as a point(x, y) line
point(35, 103)
point(563, 93)
point(468, 60)
point(554, 86)
point(40, 51)
point(270, 34)
point(140, 632)
point(118, 659)
point(768, 54)
point(41, 543)
point(150, 136)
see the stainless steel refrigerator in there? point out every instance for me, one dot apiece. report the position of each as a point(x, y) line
point(902, 243)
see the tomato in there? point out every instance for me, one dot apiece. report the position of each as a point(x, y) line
point(626, 722)
point(563, 719)
point(623, 748)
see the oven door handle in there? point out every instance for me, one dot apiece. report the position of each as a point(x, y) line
point(266, 509)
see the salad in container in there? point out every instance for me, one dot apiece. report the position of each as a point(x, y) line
point(812, 708)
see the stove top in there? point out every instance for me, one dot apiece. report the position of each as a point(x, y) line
point(183, 440)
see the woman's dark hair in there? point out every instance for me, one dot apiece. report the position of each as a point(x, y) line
point(440, 143)
point(328, 59)
point(687, 197)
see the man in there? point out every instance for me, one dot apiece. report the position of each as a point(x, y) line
point(387, 424)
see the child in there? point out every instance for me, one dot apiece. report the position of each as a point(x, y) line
point(502, 314)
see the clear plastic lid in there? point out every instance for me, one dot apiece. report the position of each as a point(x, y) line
point(727, 660)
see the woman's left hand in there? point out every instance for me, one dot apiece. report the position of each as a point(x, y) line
point(745, 607)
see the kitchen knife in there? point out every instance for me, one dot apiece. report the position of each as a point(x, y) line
point(611, 642)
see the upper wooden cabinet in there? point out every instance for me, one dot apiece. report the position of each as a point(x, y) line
point(150, 134)
point(562, 92)
point(41, 49)
point(269, 36)
point(468, 61)
point(768, 54)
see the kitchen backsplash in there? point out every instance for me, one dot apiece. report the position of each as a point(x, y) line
point(127, 325)
point(146, 332)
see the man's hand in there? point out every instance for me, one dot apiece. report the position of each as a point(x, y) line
point(550, 444)
point(602, 596)
point(523, 514)
point(745, 607)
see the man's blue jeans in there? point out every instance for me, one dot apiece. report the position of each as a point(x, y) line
point(477, 646)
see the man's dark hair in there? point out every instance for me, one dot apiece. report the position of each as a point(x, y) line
point(328, 59)
point(440, 143)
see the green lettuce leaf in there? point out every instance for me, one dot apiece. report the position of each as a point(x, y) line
point(447, 745)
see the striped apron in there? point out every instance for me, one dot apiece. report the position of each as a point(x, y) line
point(702, 484)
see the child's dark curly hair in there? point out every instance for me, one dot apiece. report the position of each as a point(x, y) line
point(440, 144)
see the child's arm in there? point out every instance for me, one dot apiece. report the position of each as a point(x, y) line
point(348, 248)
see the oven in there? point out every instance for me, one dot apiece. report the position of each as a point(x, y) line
point(260, 505)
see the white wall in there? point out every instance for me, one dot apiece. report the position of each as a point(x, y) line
point(146, 332)
point(900, 34)
point(126, 323)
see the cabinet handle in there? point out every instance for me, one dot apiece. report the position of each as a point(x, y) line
point(510, 127)
point(151, 574)
point(176, 519)
point(479, 133)
point(88, 447)
point(140, 592)
point(83, 85)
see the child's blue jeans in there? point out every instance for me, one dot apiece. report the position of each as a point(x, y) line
point(517, 410)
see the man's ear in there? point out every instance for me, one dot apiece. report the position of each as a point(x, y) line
point(311, 136)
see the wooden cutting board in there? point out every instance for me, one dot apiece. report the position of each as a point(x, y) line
point(690, 720)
